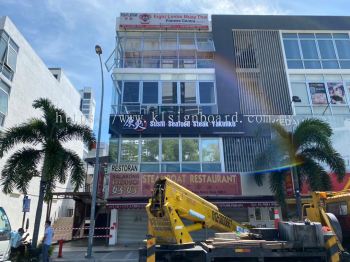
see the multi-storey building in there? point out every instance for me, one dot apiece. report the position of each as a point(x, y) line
point(88, 105)
point(23, 78)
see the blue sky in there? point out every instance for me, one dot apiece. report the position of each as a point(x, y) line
point(64, 32)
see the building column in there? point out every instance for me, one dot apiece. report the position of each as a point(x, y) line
point(114, 225)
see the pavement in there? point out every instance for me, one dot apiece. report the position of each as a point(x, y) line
point(76, 251)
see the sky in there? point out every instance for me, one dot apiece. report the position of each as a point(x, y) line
point(64, 32)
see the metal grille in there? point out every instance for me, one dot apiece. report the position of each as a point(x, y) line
point(261, 74)
point(240, 154)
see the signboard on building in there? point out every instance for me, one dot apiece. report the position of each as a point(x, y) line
point(164, 21)
point(204, 184)
point(176, 123)
point(123, 168)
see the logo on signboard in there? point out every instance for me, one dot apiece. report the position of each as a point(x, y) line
point(145, 18)
point(137, 124)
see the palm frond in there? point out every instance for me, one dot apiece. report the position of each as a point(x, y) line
point(313, 173)
point(72, 131)
point(19, 169)
point(277, 186)
point(76, 165)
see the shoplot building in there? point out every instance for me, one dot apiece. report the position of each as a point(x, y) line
point(169, 70)
point(23, 78)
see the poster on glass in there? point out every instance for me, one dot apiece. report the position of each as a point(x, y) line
point(336, 92)
point(318, 93)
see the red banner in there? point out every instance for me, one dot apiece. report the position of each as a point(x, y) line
point(336, 185)
point(205, 184)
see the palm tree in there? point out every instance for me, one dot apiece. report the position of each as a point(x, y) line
point(308, 149)
point(46, 159)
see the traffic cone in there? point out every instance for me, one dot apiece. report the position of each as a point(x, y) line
point(277, 217)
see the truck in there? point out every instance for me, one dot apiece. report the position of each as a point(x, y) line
point(174, 212)
point(5, 236)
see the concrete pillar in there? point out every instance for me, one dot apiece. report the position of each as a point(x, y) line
point(114, 224)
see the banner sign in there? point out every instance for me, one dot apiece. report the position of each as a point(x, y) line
point(164, 21)
point(123, 168)
point(26, 204)
point(204, 184)
point(175, 124)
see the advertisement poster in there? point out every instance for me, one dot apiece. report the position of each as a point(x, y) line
point(318, 93)
point(205, 184)
point(336, 92)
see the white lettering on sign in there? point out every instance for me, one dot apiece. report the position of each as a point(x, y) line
point(168, 21)
point(128, 168)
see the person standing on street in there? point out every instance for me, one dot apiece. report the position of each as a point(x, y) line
point(47, 240)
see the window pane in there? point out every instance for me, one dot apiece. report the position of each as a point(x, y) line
point(187, 43)
point(345, 64)
point(169, 95)
point(294, 64)
point(206, 92)
point(330, 64)
point(170, 167)
point(210, 150)
point(151, 44)
point(149, 168)
point(211, 167)
point(129, 150)
point(131, 92)
point(314, 64)
point(341, 36)
point(12, 58)
point(133, 44)
point(309, 49)
point(292, 49)
point(3, 102)
point(190, 150)
point(318, 93)
point(149, 150)
point(336, 92)
point(299, 89)
point(326, 49)
point(170, 150)
point(189, 110)
point(324, 35)
point(113, 150)
point(207, 110)
point(289, 35)
point(169, 44)
point(188, 92)
point(4, 222)
point(306, 35)
point(150, 93)
point(191, 168)
point(3, 47)
point(169, 109)
point(343, 48)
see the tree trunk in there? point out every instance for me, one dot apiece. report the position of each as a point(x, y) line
point(38, 214)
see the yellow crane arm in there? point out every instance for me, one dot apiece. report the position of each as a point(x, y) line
point(171, 203)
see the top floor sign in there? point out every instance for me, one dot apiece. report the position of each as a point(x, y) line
point(164, 21)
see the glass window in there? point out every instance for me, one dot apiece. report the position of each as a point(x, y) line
point(257, 213)
point(4, 222)
point(187, 43)
point(149, 150)
point(169, 44)
point(133, 44)
point(294, 64)
point(129, 150)
point(306, 35)
point(113, 150)
point(343, 48)
point(170, 150)
point(3, 102)
point(326, 49)
point(292, 49)
point(341, 36)
point(309, 49)
point(169, 93)
point(191, 168)
point(212, 167)
point(188, 92)
point(190, 149)
point(150, 93)
point(272, 213)
point(330, 64)
point(205, 44)
point(12, 58)
point(151, 44)
point(289, 35)
point(210, 150)
point(345, 64)
point(300, 90)
point(131, 92)
point(149, 167)
point(3, 47)
point(324, 35)
point(206, 92)
point(312, 64)
point(170, 167)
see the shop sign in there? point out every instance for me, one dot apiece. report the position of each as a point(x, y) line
point(176, 123)
point(123, 168)
point(164, 21)
point(204, 184)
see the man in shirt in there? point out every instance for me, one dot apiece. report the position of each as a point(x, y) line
point(47, 241)
point(17, 240)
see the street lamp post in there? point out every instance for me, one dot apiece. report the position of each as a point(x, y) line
point(98, 50)
point(294, 170)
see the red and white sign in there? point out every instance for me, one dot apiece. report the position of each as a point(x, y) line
point(164, 21)
point(204, 184)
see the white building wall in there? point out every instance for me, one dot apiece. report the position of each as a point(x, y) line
point(33, 80)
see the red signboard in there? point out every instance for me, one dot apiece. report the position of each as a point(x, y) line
point(336, 186)
point(204, 184)
point(289, 185)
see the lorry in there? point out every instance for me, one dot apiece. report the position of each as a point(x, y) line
point(174, 212)
point(5, 236)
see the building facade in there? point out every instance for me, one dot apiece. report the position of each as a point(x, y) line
point(88, 105)
point(23, 78)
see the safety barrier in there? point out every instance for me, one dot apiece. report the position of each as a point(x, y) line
point(81, 228)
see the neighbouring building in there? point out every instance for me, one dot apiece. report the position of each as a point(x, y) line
point(88, 105)
point(194, 100)
point(23, 78)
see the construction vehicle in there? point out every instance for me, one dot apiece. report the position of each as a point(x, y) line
point(170, 238)
point(5, 236)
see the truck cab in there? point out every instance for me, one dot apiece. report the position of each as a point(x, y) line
point(5, 236)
